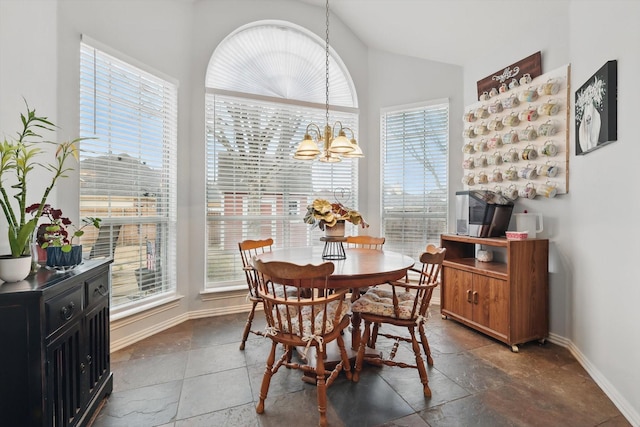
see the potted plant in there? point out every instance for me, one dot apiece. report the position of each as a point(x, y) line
point(18, 158)
point(330, 217)
point(54, 238)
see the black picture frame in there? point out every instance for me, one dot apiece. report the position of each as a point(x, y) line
point(596, 110)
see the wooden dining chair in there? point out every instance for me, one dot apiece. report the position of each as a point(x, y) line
point(249, 249)
point(405, 304)
point(307, 321)
point(366, 242)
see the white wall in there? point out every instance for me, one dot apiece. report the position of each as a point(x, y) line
point(593, 286)
point(605, 318)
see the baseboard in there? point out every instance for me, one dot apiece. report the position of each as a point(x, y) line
point(612, 393)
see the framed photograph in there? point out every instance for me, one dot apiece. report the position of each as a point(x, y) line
point(597, 110)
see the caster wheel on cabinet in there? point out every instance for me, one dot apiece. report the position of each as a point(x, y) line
point(514, 348)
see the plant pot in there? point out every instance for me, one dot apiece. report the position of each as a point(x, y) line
point(335, 231)
point(14, 269)
point(59, 260)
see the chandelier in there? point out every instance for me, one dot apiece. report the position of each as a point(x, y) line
point(333, 140)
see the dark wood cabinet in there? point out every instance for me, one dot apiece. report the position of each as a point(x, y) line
point(54, 353)
point(505, 299)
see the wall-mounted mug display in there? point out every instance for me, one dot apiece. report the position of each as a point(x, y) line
point(528, 95)
point(481, 162)
point(494, 142)
point(511, 192)
point(528, 173)
point(480, 146)
point(481, 129)
point(511, 120)
point(548, 88)
point(496, 176)
point(547, 129)
point(481, 113)
point(511, 174)
point(495, 108)
point(527, 134)
point(514, 84)
point(547, 169)
point(469, 117)
point(529, 153)
point(469, 132)
point(468, 163)
point(510, 137)
point(484, 96)
point(510, 156)
point(525, 79)
point(503, 88)
point(493, 92)
point(549, 108)
point(468, 148)
point(495, 159)
point(481, 178)
point(528, 115)
point(511, 101)
point(468, 179)
point(547, 190)
point(495, 124)
point(529, 191)
point(549, 149)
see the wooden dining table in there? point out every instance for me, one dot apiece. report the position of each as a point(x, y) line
point(360, 269)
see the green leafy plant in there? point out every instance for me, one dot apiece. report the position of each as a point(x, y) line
point(18, 158)
point(56, 232)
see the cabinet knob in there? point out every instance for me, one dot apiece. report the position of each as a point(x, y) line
point(67, 311)
point(101, 290)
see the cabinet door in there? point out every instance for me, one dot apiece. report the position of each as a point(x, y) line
point(457, 289)
point(65, 379)
point(97, 339)
point(491, 303)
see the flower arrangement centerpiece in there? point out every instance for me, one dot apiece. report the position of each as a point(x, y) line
point(323, 213)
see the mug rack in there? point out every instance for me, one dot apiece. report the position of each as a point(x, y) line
point(526, 124)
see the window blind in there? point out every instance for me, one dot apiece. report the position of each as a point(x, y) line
point(415, 143)
point(255, 189)
point(128, 173)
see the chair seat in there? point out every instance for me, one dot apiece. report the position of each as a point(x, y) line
point(333, 317)
point(379, 302)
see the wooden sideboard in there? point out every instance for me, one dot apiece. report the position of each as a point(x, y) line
point(506, 299)
point(54, 356)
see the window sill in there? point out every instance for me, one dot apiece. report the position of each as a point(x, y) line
point(139, 312)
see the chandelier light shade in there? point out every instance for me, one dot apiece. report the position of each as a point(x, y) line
point(330, 144)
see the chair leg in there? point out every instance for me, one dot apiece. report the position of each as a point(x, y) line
point(420, 363)
point(425, 344)
point(321, 387)
point(361, 350)
point(346, 365)
point(247, 326)
point(374, 335)
point(266, 379)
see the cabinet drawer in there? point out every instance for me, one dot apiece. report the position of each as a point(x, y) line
point(97, 289)
point(63, 308)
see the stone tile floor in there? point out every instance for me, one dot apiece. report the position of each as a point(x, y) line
point(194, 375)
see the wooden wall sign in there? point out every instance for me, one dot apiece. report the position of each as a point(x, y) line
point(531, 65)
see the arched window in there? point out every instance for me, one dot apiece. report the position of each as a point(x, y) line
point(265, 83)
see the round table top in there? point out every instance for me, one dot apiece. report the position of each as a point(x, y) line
point(361, 268)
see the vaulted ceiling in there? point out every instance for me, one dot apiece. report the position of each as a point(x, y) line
point(450, 31)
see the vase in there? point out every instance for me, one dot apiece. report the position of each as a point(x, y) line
point(57, 259)
point(335, 231)
point(14, 269)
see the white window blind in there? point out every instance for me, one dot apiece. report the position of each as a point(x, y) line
point(255, 189)
point(128, 173)
point(415, 143)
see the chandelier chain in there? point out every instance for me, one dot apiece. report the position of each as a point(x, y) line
point(326, 74)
